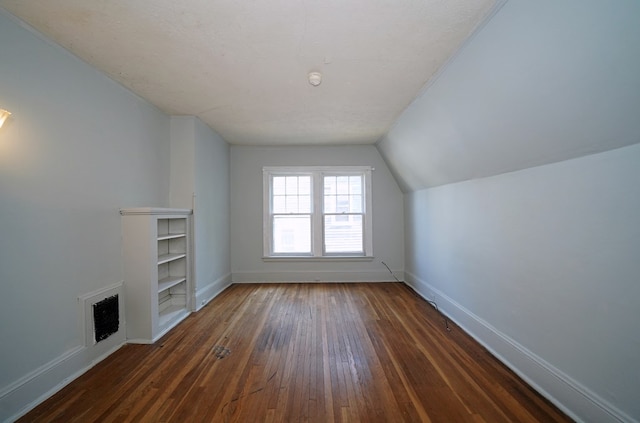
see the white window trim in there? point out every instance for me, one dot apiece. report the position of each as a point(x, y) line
point(316, 218)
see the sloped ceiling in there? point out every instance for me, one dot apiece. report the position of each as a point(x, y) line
point(542, 82)
point(241, 66)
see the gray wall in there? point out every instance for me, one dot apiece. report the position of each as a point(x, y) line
point(77, 148)
point(200, 180)
point(246, 220)
point(213, 253)
point(541, 265)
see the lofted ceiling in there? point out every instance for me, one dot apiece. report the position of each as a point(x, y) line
point(241, 66)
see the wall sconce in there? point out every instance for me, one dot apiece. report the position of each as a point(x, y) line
point(4, 115)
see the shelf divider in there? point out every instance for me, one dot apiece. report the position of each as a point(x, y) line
point(170, 282)
point(165, 258)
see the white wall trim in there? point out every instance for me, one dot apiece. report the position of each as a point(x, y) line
point(25, 394)
point(212, 290)
point(8, 390)
point(316, 276)
point(576, 400)
point(85, 302)
point(21, 396)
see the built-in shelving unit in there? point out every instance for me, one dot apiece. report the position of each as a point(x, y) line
point(157, 258)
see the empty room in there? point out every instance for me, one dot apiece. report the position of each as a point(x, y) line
point(326, 211)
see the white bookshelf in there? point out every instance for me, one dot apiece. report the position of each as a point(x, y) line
point(157, 270)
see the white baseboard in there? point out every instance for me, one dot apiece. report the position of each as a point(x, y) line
point(315, 276)
point(212, 290)
point(26, 393)
point(576, 400)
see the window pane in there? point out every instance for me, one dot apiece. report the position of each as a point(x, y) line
point(304, 184)
point(342, 205)
point(291, 224)
point(292, 185)
point(330, 204)
point(343, 234)
point(355, 184)
point(279, 205)
point(343, 194)
point(355, 205)
point(342, 184)
point(291, 194)
point(292, 234)
point(329, 185)
point(304, 206)
point(279, 183)
point(292, 204)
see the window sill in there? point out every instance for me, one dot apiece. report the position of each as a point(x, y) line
point(316, 259)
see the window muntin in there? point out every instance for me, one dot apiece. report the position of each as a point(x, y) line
point(291, 194)
point(291, 214)
point(317, 211)
point(343, 214)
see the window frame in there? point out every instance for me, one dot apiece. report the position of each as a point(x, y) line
point(317, 174)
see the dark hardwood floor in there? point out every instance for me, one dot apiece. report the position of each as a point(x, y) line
point(303, 352)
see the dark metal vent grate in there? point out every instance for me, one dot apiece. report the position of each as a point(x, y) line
point(106, 318)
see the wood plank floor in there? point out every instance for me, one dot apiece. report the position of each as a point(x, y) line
point(303, 352)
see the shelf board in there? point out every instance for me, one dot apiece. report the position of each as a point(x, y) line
point(155, 211)
point(165, 258)
point(169, 282)
point(170, 313)
point(171, 236)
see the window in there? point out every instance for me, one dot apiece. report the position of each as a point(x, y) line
point(317, 211)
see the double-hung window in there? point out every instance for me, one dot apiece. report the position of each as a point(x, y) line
point(317, 211)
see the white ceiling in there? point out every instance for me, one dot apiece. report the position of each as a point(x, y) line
point(241, 66)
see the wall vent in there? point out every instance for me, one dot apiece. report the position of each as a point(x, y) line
point(102, 317)
point(106, 318)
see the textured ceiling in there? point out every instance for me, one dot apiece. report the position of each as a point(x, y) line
point(241, 66)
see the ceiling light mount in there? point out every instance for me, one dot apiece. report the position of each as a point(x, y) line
point(315, 78)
